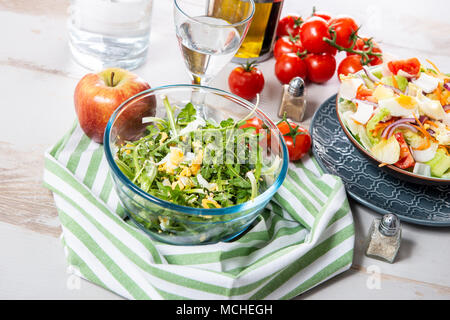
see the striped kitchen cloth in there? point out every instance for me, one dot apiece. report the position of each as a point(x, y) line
point(304, 236)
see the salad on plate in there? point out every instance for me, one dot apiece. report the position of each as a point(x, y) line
point(400, 113)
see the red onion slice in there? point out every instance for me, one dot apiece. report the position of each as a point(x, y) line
point(422, 119)
point(365, 101)
point(370, 75)
point(397, 91)
point(402, 126)
point(446, 107)
point(447, 86)
point(386, 132)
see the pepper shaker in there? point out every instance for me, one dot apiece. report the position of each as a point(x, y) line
point(293, 102)
point(384, 238)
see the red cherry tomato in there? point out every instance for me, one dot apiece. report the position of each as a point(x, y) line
point(344, 27)
point(321, 67)
point(298, 139)
point(411, 66)
point(289, 25)
point(260, 128)
point(254, 122)
point(350, 64)
point(312, 33)
point(362, 46)
point(406, 159)
point(246, 81)
point(322, 14)
point(289, 66)
point(287, 44)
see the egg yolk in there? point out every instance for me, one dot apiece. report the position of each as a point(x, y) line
point(406, 102)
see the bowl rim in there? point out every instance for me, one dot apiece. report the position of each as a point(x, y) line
point(263, 197)
point(366, 152)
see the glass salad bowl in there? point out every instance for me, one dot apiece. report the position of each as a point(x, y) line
point(166, 220)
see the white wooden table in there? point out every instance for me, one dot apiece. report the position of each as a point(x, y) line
point(37, 82)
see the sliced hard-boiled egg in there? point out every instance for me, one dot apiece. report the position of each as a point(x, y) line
point(363, 113)
point(431, 108)
point(426, 154)
point(403, 106)
point(426, 82)
point(349, 87)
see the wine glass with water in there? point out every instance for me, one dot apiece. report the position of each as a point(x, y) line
point(210, 32)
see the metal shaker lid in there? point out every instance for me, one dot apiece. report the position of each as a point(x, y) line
point(389, 225)
point(296, 87)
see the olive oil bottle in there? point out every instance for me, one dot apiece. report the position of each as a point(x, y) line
point(258, 44)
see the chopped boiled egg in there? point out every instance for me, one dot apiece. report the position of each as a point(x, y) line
point(431, 108)
point(426, 82)
point(197, 162)
point(174, 158)
point(403, 106)
point(349, 87)
point(206, 202)
point(442, 134)
point(363, 113)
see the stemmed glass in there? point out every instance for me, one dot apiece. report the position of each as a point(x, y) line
point(210, 32)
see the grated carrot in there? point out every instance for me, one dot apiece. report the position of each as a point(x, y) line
point(437, 69)
point(431, 123)
point(383, 164)
point(426, 144)
point(439, 96)
point(446, 96)
point(394, 82)
point(380, 126)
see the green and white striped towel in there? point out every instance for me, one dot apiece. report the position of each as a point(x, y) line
point(304, 236)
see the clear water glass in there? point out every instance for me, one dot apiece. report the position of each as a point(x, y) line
point(109, 33)
point(210, 33)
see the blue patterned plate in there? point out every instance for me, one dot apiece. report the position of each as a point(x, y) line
point(368, 184)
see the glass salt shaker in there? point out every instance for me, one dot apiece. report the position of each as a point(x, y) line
point(293, 102)
point(384, 238)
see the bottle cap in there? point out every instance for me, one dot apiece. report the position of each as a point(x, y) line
point(389, 225)
point(296, 87)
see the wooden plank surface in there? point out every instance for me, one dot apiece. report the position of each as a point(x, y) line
point(38, 79)
point(23, 200)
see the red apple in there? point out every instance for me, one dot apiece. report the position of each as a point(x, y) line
point(97, 96)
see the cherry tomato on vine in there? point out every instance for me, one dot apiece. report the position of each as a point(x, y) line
point(410, 66)
point(362, 46)
point(350, 64)
point(312, 33)
point(289, 25)
point(344, 27)
point(322, 14)
point(246, 81)
point(297, 139)
point(289, 66)
point(287, 44)
point(321, 67)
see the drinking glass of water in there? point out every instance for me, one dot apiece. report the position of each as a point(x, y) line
point(210, 33)
point(109, 33)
